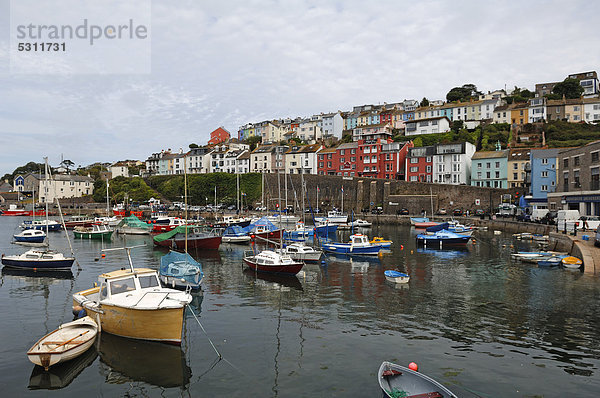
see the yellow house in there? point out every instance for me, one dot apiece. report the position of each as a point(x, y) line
point(518, 160)
point(574, 112)
point(519, 113)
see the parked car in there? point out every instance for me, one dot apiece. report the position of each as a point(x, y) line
point(524, 217)
point(597, 240)
point(403, 212)
point(442, 212)
point(377, 210)
point(457, 212)
point(479, 212)
point(591, 223)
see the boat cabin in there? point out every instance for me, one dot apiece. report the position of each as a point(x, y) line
point(359, 240)
point(124, 281)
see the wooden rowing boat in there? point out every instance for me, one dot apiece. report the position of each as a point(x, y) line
point(571, 262)
point(67, 342)
point(398, 381)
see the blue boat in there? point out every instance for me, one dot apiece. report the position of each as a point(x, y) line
point(359, 245)
point(442, 238)
point(414, 220)
point(553, 261)
point(180, 271)
point(30, 236)
point(42, 225)
point(235, 234)
point(452, 227)
point(396, 276)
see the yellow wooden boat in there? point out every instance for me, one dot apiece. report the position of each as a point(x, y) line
point(571, 262)
point(132, 303)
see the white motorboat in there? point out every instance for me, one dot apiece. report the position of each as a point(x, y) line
point(301, 252)
point(67, 342)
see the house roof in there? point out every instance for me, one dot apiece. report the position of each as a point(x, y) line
point(519, 154)
point(490, 154)
point(305, 148)
point(545, 153)
point(328, 150)
point(263, 149)
point(245, 155)
point(348, 145)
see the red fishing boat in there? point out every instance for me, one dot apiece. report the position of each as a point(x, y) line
point(272, 262)
point(196, 238)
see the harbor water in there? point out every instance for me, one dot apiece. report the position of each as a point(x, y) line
point(475, 320)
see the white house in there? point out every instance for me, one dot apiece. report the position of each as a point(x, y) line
point(372, 132)
point(243, 163)
point(332, 124)
point(537, 109)
point(591, 110)
point(261, 159)
point(302, 159)
point(452, 163)
point(501, 114)
point(309, 129)
point(198, 160)
point(119, 170)
point(428, 126)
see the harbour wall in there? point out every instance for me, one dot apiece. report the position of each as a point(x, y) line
point(391, 195)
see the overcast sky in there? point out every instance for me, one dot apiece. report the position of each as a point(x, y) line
point(235, 62)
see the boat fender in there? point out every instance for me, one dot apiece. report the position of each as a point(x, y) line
point(413, 366)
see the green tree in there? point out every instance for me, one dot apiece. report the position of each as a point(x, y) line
point(31, 167)
point(193, 146)
point(463, 93)
point(457, 125)
point(424, 102)
point(67, 164)
point(253, 142)
point(570, 88)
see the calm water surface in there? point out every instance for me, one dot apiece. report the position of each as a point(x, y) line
point(474, 320)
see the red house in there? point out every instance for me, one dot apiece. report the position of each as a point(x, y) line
point(341, 161)
point(419, 164)
point(370, 161)
point(218, 136)
point(393, 157)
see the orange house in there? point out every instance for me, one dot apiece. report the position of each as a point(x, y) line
point(218, 136)
point(519, 113)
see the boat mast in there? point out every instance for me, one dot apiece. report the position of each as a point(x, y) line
point(286, 191)
point(107, 200)
point(185, 201)
point(431, 199)
point(279, 199)
point(46, 190)
point(237, 196)
point(342, 199)
point(262, 204)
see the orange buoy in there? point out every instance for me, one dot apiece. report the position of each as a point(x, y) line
point(413, 366)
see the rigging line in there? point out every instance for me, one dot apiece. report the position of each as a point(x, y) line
point(62, 219)
point(207, 336)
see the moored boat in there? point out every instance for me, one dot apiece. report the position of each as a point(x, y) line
point(180, 271)
point(422, 222)
point(571, 262)
point(196, 238)
point(302, 252)
point(359, 245)
point(552, 261)
point(39, 260)
point(133, 226)
point(396, 276)
point(334, 217)
point(442, 238)
point(42, 225)
point(273, 262)
point(384, 243)
point(67, 342)
point(100, 232)
point(235, 234)
point(30, 236)
point(398, 381)
point(135, 294)
point(79, 221)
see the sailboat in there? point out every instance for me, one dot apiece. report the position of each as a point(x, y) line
point(40, 259)
point(180, 270)
point(335, 216)
point(31, 236)
point(271, 261)
point(107, 220)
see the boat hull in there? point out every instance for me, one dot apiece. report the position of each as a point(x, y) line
point(342, 248)
point(433, 242)
point(83, 223)
point(211, 243)
point(107, 235)
point(236, 239)
point(65, 343)
point(178, 283)
point(39, 265)
point(289, 269)
point(29, 239)
point(163, 325)
point(51, 227)
point(426, 224)
point(273, 235)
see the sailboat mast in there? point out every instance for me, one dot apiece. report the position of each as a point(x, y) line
point(286, 191)
point(262, 204)
point(342, 199)
point(238, 189)
point(279, 199)
point(107, 200)
point(46, 190)
point(185, 201)
point(431, 199)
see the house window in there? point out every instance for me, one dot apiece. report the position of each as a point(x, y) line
point(544, 188)
point(595, 157)
point(488, 175)
point(515, 166)
point(428, 159)
point(414, 169)
point(545, 161)
point(544, 174)
point(497, 174)
point(566, 163)
point(413, 178)
point(576, 161)
point(478, 165)
point(515, 176)
point(488, 165)
point(479, 175)
point(595, 181)
point(497, 165)
point(414, 160)
point(429, 169)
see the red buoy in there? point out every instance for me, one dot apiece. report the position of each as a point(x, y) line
point(413, 366)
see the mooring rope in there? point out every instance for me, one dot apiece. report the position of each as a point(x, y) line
point(207, 336)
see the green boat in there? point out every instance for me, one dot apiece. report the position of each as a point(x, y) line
point(100, 232)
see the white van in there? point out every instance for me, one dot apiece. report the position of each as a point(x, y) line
point(538, 214)
point(568, 218)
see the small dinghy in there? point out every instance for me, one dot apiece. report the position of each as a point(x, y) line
point(571, 262)
point(398, 381)
point(396, 276)
point(67, 342)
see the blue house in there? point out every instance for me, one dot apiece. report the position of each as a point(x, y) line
point(543, 173)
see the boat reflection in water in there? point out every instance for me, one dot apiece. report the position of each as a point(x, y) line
point(30, 273)
point(275, 280)
point(446, 254)
point(61, 375)
point(358, 264)
point(124, 360)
